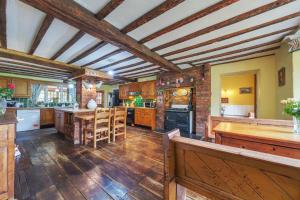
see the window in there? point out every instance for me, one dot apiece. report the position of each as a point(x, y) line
point(100, 98)
point(57, 94)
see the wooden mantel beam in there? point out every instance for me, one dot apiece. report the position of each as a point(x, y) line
point(73, 14)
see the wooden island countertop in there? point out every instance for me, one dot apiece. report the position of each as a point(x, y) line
point(264, 138)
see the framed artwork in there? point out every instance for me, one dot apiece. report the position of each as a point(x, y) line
point(281, 77)
point(245, 90)
point(224, 100)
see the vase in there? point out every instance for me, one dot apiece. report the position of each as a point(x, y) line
point(3, 105)
point(296, 125)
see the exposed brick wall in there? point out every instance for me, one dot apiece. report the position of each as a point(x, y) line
point(202, 94)
point(83, 95)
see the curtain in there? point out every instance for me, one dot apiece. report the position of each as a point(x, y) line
point(36, 91)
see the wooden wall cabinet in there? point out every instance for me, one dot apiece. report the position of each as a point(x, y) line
point(22, 87)
point(145, 117)
point(148, 89)
point(123, 91)
point(59, 121)
point(7, 161)
point(47, 116)
point(3, 82)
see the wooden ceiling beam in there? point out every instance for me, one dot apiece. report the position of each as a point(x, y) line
point(144, 75)
point(117, 62)
point(16, 55)
point(88, 51)
point(108, 8)
point(239, 56)
point(130, 65)
point(232, 52)
point(138, 72)
point(289, 30)
point(155, 12)
point(104, 57)
point(116, 77)
point(3, 38)
point(225, 23)
point(70, 43)
point(243, 59)
point(189, 19)
point(101, 14)
point(234, 34)
point(73, 14)
point(129, 69)
point(41, 33)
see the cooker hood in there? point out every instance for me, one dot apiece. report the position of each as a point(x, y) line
point(134, 93)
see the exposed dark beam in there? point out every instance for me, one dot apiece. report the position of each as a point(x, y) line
point(233, 52)
point(124, 78)
point(3, 39)
point(225, 23)
point(290, 29)
point(129, 69)
point(72, 41)
point(104, 57)
point(234, 34)
point(131, 65)
point(240, 56)
point(189, 19)
point(40, 34)
point(73, 14)
point(88, 51)
point(16, 55)
point(101, 14)
point(108, 8)
point(138, 72)
point(272, 54)
point(144, 75)
point(160, 9)
point(117, 62)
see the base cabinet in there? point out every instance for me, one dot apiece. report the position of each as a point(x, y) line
point(7, 161)
point(145, 117)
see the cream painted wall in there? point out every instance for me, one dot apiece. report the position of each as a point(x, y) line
point(296, 74)
point(107, 89)
point(149, 78)
point(266, 83)
point(284, 59)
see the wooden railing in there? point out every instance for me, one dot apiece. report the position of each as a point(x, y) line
point(222, 172)
point(213, 121)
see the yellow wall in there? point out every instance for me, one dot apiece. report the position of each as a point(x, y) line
point(265, 69)
point(231, 85)
point(296, 74)
point(283, 59)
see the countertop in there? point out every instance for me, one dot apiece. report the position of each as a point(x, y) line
point(264, 132)
point(8, 118)
point(71, 110)
point(34, 108)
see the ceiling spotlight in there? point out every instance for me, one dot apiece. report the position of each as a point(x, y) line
point(111, 73)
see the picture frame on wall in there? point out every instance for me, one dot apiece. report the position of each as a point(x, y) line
point(281, 77)
point(245, 90)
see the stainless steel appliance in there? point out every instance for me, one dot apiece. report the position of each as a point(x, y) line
point(149, 104)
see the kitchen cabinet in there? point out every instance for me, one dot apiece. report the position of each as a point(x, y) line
point(134, 87)
point(7, 160)
point(123, 91)
point(47, 116)
point(145, 117)
point(22, 87)
point(3, 82)
point(59, 121)
point(148, 89)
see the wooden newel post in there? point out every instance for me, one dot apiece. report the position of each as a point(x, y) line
point(172, 191)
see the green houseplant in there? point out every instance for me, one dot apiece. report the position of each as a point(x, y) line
point(292, 108)
point(5, 93)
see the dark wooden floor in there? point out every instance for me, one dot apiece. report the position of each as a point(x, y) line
point(52, 168)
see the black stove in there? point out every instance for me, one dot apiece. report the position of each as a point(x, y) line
point(180, 118)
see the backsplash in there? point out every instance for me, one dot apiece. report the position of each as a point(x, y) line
point(137, 101)
point(27, 102)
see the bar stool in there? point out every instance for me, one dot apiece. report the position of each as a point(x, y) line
point(119, 122)
point(101, 129)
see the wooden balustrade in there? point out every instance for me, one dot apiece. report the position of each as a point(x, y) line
point(222, 172)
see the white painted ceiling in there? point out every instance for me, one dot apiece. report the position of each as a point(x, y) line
point(23, 23)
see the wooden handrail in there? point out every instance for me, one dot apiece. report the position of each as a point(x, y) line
point(223, 172)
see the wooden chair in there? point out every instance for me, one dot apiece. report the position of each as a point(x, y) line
point(101, 128)
point(119, 122)
point(221, 172)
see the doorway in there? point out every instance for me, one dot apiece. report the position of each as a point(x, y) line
point(238, 95)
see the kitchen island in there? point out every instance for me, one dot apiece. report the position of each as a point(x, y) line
point(67, 123)
point(7, 154)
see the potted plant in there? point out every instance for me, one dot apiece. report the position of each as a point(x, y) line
point(5, 93)
point(292, 108)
